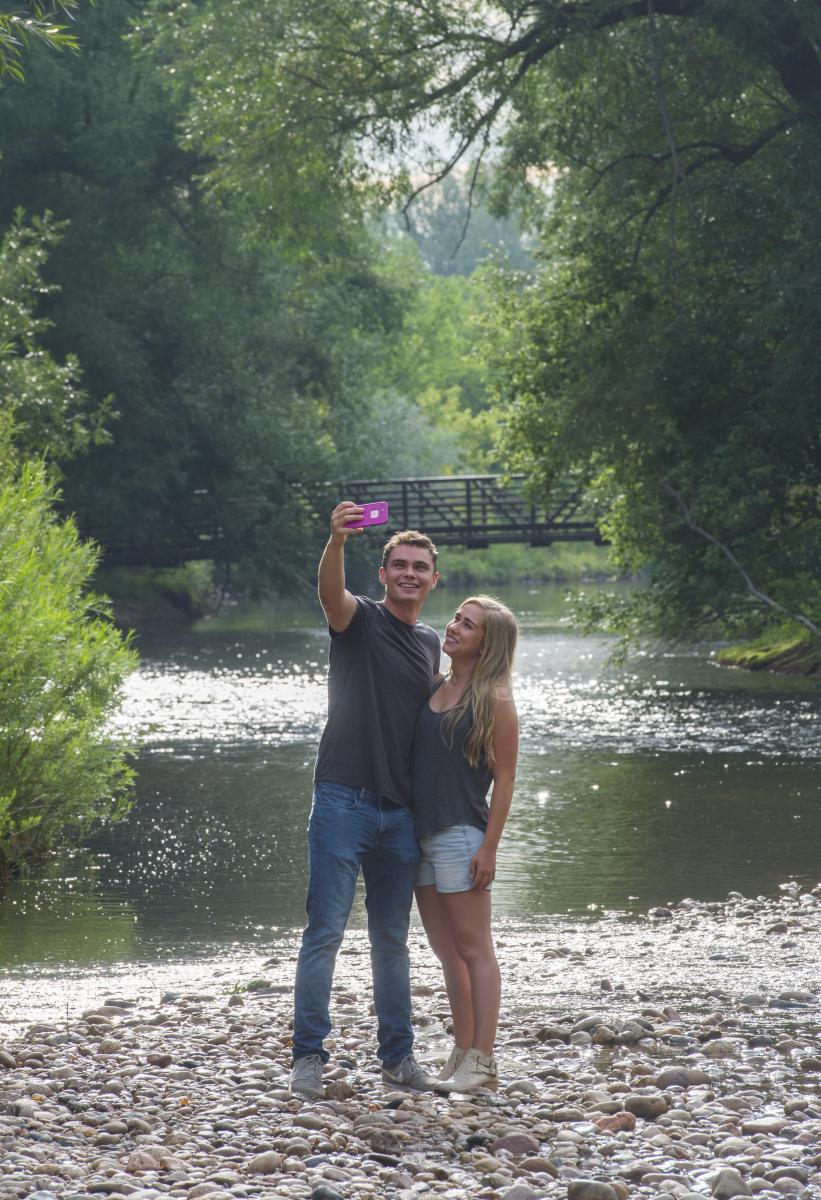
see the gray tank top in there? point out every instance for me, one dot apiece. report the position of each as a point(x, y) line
point(446, 789)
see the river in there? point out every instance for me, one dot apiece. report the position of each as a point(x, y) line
point(638, 785)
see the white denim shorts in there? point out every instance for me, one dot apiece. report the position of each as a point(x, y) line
point(446, 857)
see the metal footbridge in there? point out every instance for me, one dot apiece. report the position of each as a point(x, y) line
point(474, 511)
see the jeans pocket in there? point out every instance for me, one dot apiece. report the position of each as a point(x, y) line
point(338, 795)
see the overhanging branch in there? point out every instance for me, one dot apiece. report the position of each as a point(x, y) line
point(749, 583)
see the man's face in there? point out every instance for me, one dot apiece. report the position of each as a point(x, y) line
point(409, 575)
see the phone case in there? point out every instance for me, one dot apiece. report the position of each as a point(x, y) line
point(376, 513)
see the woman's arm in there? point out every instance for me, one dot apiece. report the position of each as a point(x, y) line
point(505, 751)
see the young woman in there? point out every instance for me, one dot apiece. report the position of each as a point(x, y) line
point(466, 737)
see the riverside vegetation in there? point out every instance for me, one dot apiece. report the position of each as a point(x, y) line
point(62, 667)
point(63, 662)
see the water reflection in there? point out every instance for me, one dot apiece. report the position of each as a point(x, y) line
point(630, 832)
point(636, 786)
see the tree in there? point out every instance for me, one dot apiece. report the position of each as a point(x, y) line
point(436, 378)
point(332, 76)
point(63, 662)
point(455, 231)
point(238, 360)
point(48, 412)
point(667, 154)
point(670, 329)
point(61, 671)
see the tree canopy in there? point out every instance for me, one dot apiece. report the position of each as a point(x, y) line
point(666, 155)
point(240, 362)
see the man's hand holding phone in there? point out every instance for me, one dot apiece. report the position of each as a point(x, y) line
point(348, 518)
point(374, 512)
point(341, 518)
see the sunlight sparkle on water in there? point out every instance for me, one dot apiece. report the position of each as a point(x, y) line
point(227, 707)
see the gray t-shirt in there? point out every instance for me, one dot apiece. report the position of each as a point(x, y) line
point(381, 673)
point(446, 789)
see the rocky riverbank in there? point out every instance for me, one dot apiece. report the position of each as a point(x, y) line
point(613, 1085)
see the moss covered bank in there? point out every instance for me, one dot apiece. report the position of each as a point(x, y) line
point(787, 649)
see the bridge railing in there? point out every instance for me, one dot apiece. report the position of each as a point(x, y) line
point(469, 510)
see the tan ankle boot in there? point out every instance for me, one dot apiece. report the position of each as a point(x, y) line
point(476, 1070)
point(456, 1056)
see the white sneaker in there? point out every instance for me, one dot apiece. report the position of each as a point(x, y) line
point(306, 1077)
point(476, 1070)
point(456, 1056)
point(409, 1074)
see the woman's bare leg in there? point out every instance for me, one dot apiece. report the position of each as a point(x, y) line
point(457, 978)
point(466, 917)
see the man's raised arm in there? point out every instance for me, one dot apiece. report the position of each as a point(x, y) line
point(337, 602)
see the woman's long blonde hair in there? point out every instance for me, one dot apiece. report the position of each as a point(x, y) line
point(493, 670)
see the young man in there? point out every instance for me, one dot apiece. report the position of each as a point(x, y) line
point(382, 663)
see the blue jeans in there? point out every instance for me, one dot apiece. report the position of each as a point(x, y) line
point(351, 828)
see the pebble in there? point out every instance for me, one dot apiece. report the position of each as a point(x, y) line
point(648, 1107)
point(590, 1189)
point(633, 1097)
point(729, 1183)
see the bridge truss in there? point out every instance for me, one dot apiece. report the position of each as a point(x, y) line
point(471, 510)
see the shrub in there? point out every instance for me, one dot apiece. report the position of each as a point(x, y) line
point(62, 665)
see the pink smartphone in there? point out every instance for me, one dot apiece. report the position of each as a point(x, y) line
point(375, 513)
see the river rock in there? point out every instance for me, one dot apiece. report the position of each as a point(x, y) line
point(204, 1121)
point(324, 1191)
point(590, 1189)
point(648, 1107)
point(520, 1191)
point(616, 1123)
point(339, 1089)
point(515, 1143)
point(789, 1187)
point(720, 1047)
point(108, 1046)
point(486, 1162)
point(139, 1161)
point(159, 1060)
point(769, 1125)
point(673, 1077)
point(383, 1141)
point(729, 1183)
point(539, 1164)
point(553, 1033)
point(800, 1174)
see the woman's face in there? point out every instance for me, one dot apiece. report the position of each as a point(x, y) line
point(465, 633)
